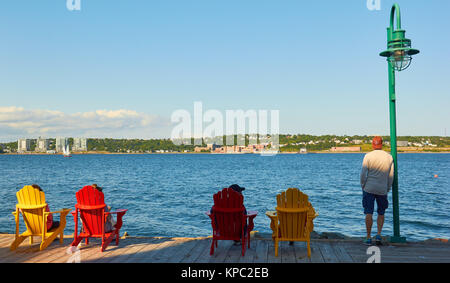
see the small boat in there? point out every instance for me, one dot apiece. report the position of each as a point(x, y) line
point(303, 151)
point(66, 151)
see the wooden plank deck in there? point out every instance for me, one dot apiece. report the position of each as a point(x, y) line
point(196, 250)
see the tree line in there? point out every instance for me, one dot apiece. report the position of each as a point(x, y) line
point(289, 143)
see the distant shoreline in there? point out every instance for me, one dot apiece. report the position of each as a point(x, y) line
point(203, 153)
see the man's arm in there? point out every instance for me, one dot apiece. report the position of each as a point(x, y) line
point(391, 177)
point(364, 172)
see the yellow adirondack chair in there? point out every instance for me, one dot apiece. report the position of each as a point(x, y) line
point(293, 218)
point(31, 204)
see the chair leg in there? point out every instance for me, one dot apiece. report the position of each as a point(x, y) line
point(309, 249)
point(211, 251)
point(76, 241)
point(276, 247)
point(31, 240)
point(117, 238)
point(47, 241)
point(17, 242)
point(106, 242)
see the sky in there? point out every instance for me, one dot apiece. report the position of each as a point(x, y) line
point(121, 68)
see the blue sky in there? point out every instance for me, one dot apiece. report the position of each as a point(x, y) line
point(316, 62)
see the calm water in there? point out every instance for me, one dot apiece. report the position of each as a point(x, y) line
point(167, 195)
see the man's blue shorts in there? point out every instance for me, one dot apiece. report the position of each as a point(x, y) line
point(369, 203)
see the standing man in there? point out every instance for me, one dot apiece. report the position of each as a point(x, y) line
point(377, 175)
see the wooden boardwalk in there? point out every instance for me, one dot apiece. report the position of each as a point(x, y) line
point(196, 250)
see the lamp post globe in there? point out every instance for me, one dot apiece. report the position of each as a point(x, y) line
point(399, 53)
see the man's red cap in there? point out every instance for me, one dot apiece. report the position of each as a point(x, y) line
point(377, 142)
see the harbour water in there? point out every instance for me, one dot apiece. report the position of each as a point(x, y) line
point(167, 194)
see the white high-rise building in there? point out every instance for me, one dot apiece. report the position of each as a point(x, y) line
point(61, 143)
point(23, 145)
point(42, 145)
point(79, 144)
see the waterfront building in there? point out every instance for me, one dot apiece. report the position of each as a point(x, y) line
point(23, 145)
point(61, 143)
point(402, 143)
point(220, 150)
point(42, 145)
point(200, 149)
point(212, 146)
point(79, 144)
point(230, 149)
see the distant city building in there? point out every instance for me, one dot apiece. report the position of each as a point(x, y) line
point(23, 145)
point(251, 148)
point(402, 143)
point(79, 144)
point(212, 146)
point(42, 145)
point(61, 143)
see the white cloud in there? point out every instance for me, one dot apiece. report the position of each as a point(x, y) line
point(16, 122)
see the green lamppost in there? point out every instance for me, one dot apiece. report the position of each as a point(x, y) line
point(399, 56)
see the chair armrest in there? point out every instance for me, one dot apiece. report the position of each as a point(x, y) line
point(250, 216)
point(64, 210)
point(63, 213)
point(312, 217)
point(208, 213)
point(271, 214)
point(119, 212)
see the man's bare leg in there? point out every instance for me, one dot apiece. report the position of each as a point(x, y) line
point(369, 222)
point(380, 223)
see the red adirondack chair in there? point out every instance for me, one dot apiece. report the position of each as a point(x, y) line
point(228, 218)
point(90, 208)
